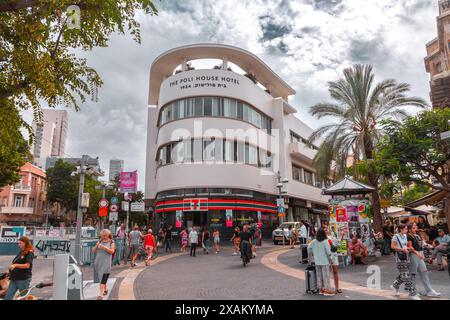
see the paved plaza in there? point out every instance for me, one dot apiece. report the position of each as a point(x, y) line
point(274, 274)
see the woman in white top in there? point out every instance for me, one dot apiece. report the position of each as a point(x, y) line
point(400, 246)
point(334, 243)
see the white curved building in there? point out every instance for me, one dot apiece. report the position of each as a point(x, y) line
point(217, 140)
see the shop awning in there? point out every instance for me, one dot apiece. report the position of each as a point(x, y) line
point(430, 199)
point(348, 186)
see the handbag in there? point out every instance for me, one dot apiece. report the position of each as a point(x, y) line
point(400, 254)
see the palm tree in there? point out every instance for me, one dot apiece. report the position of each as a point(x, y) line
point(358, 108)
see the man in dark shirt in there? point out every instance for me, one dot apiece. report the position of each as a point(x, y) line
point(387, 236)
point(245, 247)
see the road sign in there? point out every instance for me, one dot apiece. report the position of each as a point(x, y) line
point(385, 203)
point(114, 208)
point(281, 209)
point(113, 216)
point(280, 202)
point(103, 211)
point(125, 205)
point(103, 203)
point(137, 206)
point(114, 200)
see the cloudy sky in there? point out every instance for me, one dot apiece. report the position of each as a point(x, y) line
point(307, 42)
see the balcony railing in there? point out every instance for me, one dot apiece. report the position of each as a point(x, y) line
point(16, 210)
point(300, 150)
point(19, 187)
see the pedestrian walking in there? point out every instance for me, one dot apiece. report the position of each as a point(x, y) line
point(135, 237)
point(193, 238)
point(122, 237)
point(402, 257)
point(104, 249)
point(159, 239)
point(303, 232)
point(236, 240)
point(149, 245)
point(258, 236)
point(20, 271)
point(168, 238)
point(320, 251)
point(216, 237)
point(205, 240)
point(252, 230)
point(416, 245)
point(388, 232)
point(184, 239)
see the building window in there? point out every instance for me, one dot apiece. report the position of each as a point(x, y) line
point(212, 149)
point(317, 181)
point(308, 177)
point(297, 173)
point(18, 201)
point(214, 106)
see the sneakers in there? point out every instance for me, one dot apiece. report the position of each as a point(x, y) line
point(234, 254)
point(396, 291)
point(433, 294)
point(415, 297)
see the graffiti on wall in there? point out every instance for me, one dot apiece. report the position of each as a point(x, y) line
point(51, 247)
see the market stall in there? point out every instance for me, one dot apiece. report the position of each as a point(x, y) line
point(349, 211)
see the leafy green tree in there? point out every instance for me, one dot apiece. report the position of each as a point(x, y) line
point(61, 186)
point(358, 108)
point(13, 147)
point(414, 151)
point(37, 37)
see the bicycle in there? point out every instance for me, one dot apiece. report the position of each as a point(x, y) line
point(26, 294)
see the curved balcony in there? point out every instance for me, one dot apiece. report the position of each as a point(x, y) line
point(233, 175)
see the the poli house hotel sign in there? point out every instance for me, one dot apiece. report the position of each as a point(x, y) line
point(204, 81)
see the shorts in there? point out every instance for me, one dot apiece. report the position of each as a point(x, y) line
point(134, 249)
point(149, 248)
point(105, 277)
point(216, 240)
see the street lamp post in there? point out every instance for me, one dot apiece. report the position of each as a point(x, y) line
point(281, 190)
point(87, 165)
point(82, 172)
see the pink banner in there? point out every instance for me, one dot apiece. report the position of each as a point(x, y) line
point(128, 182)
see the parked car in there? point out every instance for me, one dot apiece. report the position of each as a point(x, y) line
point(279, 233)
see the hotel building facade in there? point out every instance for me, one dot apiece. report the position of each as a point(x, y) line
point(219, 142)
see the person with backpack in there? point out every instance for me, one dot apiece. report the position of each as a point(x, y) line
point(135, 237)
point(402, 256)
point(320, 251)
point(104, 250)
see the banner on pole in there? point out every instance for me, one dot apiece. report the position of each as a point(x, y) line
point(179, 219)
point(128, 182)
point(229, 218)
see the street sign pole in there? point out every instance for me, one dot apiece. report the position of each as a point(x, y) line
point(84, 159)
point(128, 218)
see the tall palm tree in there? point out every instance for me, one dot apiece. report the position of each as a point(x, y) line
point(359, 106)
